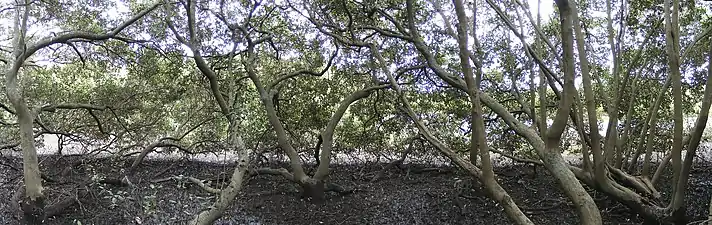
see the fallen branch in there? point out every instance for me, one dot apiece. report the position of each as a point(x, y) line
point(269, 171)
point(432, 169)
point(161, 180)
point(163, 142)
point(163, 171)
point(393, 164)
point(700, 222)
point(193, 180)
point(64, 204)
point(204, 186)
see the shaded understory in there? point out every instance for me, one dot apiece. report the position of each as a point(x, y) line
point(411, 194)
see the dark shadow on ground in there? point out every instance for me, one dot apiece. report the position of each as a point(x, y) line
point(406, 195)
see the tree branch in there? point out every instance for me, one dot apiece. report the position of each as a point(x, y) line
point(63, 38)
point(328, 133)
point(308, 72)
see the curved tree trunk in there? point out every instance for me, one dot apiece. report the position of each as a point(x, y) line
point(553, 161)
point(234, 140)
point(32, 203)
point(478, 140)
point(137, 161)
point(497, 193)
point(586, 207)
point(673, 53)
point(227, 194)
point(661, 169)
point(679, 207)
point(313, 188)
point(327, 136)
point(282, 139)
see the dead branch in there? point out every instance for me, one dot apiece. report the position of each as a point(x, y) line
point(114, 181)
point(163, 171)
point(64, 203)
point(193, 180)
point(203, 185)
point(392, 164)
point(269, 171)
point(160, 143)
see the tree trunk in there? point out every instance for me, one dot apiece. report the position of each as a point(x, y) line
point(32, 203)
point(679, 208)
point(478, 140)
point(661, 169)
point(673, 55)
point(282, 139)
point(588, 97)
point(648, 129)
point(586, 207)
point(623, 141)
point(227, 194)
point(612, 127)
point(553, 161)
point(313, 190)
point(326, 138)
point(234, 140)
point(542, 78)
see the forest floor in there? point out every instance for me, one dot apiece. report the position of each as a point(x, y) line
point(411, 194)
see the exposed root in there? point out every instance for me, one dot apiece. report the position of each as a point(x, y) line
point(269, 171)
point(48, 211)
point(341, 190)
point(647, 208)
point(63, 204)
point(556, 204)
point(640, 184)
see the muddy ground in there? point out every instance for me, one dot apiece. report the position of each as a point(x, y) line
point(412, 194)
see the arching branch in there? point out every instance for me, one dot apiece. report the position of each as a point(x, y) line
point(306, 72)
